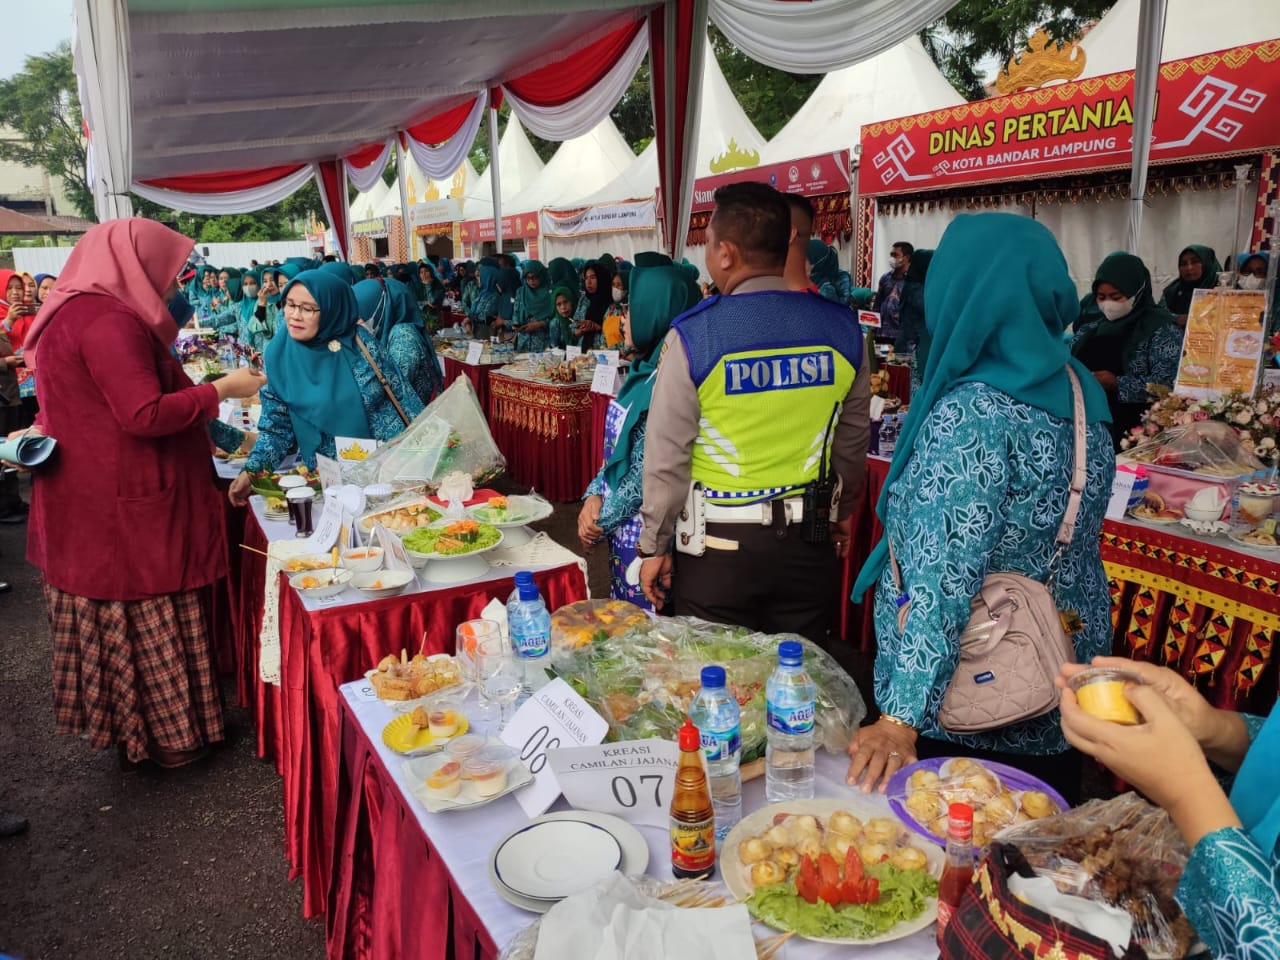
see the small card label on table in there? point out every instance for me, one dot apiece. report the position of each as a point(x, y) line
point(572, 352)
point(327, 528)
point(631, 780)
point(330, 472)
point(475, 350)
point(611, 357)
point(605, 380)
point(553, 717)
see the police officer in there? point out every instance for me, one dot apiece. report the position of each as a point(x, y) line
point(754, 386)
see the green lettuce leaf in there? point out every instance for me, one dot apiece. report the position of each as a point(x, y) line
point(903, 896)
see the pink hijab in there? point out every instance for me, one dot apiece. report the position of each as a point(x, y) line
point(133, 261)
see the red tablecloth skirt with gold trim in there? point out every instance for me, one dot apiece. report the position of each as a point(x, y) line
point(477, 373)
point(1207, 611)
point(599, 412)
point(392, 897)
point(544, 431)
point(899, 381)
point(322, 649)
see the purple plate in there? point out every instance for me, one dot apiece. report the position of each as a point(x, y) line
point(1012, 778)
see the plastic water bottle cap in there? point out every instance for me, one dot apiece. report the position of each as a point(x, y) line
point(713, 678)
point(524, 576)
point(528, 591)
point(790, 653)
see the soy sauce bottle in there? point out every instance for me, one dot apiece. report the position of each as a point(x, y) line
point(693, 820)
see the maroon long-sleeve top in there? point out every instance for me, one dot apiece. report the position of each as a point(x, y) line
point(127, 508)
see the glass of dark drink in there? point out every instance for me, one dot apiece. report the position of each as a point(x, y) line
point(300, 501)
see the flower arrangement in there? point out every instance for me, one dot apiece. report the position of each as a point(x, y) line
point(1256, 419)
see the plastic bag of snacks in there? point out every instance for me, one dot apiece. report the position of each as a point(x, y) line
point(644, 680)
point(578, 624)
point(451, 434)
point(1123, 852)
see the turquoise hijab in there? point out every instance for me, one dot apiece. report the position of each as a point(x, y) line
point(537, 304)
point(823, 265)
point(386, 303)
point(340, 270)
point(316, 383)
point(248, 304)
point(997, 300)
point(659, 294)
point(233, 283)
point(1255, 795)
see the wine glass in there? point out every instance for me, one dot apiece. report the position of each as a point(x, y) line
point(501, 681)
point(469, 636)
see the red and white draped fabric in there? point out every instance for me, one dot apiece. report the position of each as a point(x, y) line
point(567, 98)
point(440, 144)
point(677, 43)
point(331, 175)
point(365, 166)
point(236, 191)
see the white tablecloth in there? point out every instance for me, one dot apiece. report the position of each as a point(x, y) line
point(465, 839)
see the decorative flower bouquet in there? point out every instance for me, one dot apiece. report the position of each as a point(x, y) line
point(1255, 419)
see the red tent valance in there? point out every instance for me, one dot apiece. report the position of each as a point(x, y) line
point(443, 126)
point(558, 83)
point(227, 182)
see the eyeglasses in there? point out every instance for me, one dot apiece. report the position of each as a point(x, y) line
point(305, 309)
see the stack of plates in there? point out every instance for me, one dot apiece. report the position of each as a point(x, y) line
point(560, 854)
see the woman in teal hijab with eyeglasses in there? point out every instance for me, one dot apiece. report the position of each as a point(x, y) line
point(228, 317)
point(660, 292)
point(534, 310)
point(387, 307)
point(320, 384)
point(979, 484)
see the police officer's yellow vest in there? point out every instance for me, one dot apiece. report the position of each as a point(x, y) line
point(771, 371)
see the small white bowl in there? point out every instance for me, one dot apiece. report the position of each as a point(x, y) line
point(393, 583)
point(370, 558)
point(332, 583)
point(1203, 514)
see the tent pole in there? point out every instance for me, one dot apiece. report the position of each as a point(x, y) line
point(410, 241)
point(348, 238)
point(1151, 20)
point(495, 176)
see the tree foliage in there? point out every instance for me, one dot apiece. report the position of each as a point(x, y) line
point(975, 33)
point(41, 105)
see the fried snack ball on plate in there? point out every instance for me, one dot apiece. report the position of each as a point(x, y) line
point(845, 824)
point(880, 830)
point(753, 850)
point(767, 872)
point(909, 858)
point(1037, 805)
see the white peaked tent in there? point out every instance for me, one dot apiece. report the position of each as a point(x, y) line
point(724, 128)
point(1191, 27)
point(580, 167)
point(364, 206)
point(900, 82)
point(518, 166)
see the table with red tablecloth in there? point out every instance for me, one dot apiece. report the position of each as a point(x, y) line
point(599, 412)
point(477, 373)
point(544, 431)
point(899, 375)
point(1204, 607)
point(324, 646)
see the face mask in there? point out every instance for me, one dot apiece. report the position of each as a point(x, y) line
point(1252, 283)
point(618, 295)
point(1115, 309)
point(180, 309)
point(250, 291)
point(895, 262)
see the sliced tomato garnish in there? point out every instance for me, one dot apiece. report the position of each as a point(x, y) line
point(830, 892)
point(807, 880)
point(870, 890)
point(853, 869)
point(828, 869)
point(851, 890)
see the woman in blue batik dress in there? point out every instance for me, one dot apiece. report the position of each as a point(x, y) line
point(660, 292)
point(979, 484)
point(390, 311)
point(1230, 887)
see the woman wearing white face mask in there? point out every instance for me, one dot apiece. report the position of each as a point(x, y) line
point(1251, 274)
point(1134, 344)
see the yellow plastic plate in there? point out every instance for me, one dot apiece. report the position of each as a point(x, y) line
point(404, 738)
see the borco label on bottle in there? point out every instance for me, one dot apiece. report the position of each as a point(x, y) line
point(790, 720)
point(720, 745)
point(533, 645)
point(693, 845)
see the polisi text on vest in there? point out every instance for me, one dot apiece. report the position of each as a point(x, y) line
point(782, 371)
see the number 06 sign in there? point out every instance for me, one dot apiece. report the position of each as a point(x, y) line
point(631, 780)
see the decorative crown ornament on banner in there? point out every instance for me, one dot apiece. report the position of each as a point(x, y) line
point(735, 158)
point(1043, 61)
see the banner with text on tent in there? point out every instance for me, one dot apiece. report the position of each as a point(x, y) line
point(1212, 105)
point(602, 218)
point(515, 227)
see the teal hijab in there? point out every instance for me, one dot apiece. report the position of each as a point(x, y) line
point(233, 283)
point(659, 294)
point(1178, 294)
point(316, 383)
point(537, 304)
point(340, 270)
point(563, 326)
point(248, 304)
point(563, 274)
point(997, 298)
point(823, 265)
point(1255, 795)
point(386, 303)
point(1130, 276)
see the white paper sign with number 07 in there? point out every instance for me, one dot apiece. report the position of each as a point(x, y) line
point(631, 780)
point(553, 717)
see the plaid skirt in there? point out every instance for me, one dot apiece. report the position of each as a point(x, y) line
point(134, 672)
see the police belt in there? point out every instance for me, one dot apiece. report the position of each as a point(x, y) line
point(759, 513)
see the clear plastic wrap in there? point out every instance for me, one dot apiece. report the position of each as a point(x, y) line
point(1123, 852)
point(1207, 447)
point(644, 680)
point(577, 624)
point(451, 434)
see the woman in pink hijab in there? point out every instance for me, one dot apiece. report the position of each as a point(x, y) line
point(126, 521)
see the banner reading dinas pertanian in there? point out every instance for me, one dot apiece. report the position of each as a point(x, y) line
point(515, 227)
point(605, 218)
point(1215, 104)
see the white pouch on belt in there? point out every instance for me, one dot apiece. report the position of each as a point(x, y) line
point(691, 524)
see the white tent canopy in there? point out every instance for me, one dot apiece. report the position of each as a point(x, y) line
point(365, 206)
point(900, 82)
point(580, 167)
point(1192, 27)
point(518, 166)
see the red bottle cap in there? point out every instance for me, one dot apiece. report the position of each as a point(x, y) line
point(960, 821)
point(691, 740)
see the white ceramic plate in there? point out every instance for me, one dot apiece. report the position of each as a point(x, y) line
point(521, 510)
point(393, 583)
point(1235, 536)
point(734, 876)
point(416, 771)
point(335, 582)
point(635, 854)
point(422, 558)
point(555, 859)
